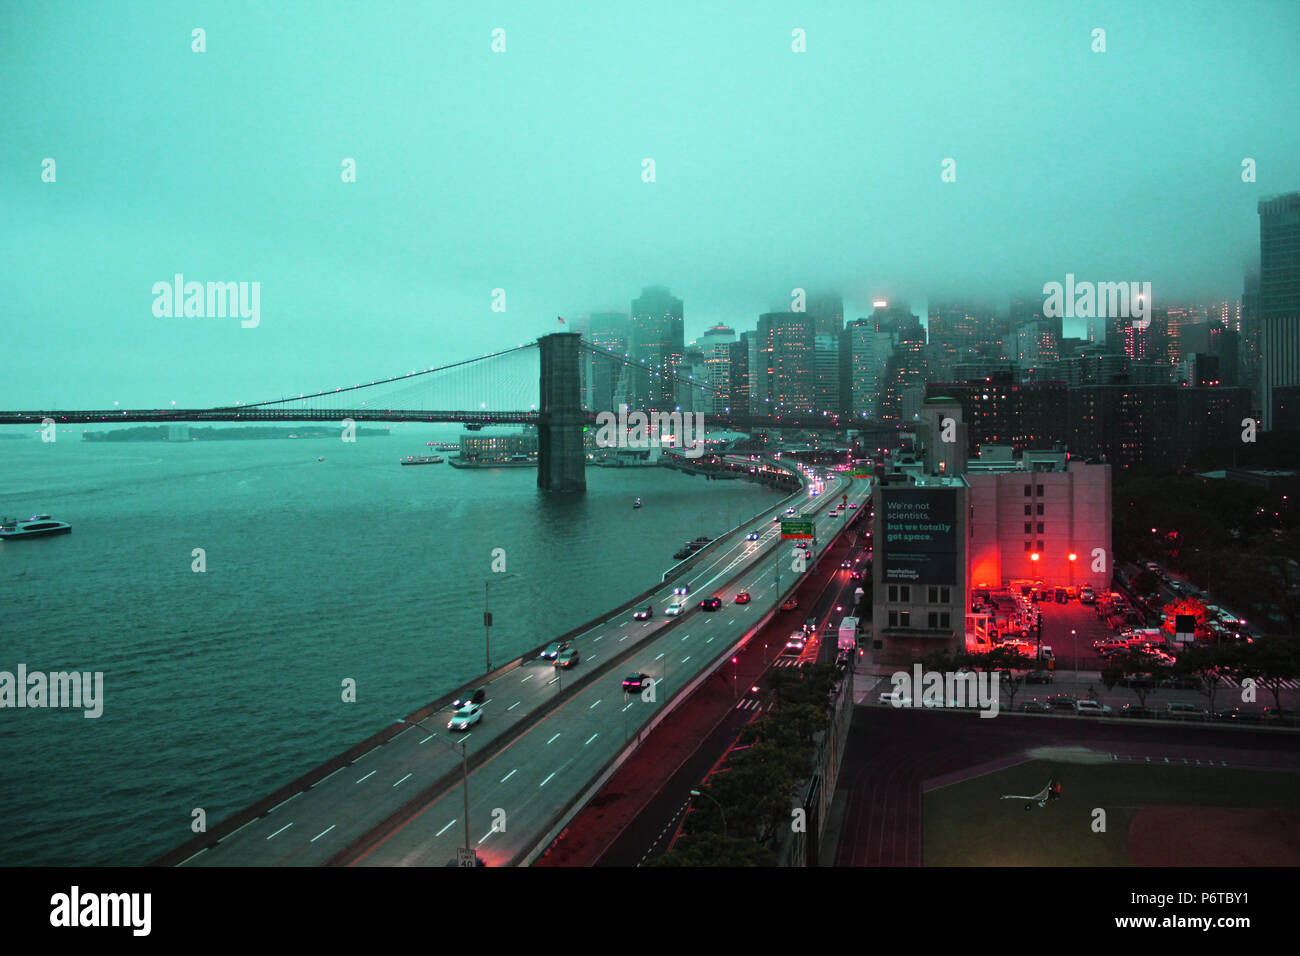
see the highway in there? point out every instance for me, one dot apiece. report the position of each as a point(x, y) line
point(528, 770)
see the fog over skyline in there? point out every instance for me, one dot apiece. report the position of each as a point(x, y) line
point(523, 170)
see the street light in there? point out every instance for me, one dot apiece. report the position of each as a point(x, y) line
point(701, 793)
point(487, 625)
point(464, 766)
point(1075, 638)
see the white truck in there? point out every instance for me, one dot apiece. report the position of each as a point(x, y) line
point(848, 639)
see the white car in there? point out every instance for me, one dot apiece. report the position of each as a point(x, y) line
point(466, 717)
point(675, 608)
point(1091, 707)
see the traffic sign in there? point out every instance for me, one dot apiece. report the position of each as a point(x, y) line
point(796, 529)
point(464, 857)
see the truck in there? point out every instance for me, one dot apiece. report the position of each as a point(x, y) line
point(848, 639)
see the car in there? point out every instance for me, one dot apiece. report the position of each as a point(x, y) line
point(1181, 682)
point(644, 614)
point(852, 505)
point(472, 697)
point(855, 575)
point(1180, 711)
point(1091, 707)
point(635, 682)
point(1035, 706)
point(790, 605)
point(752, 536)
point(682, 589)
point(810, 626)
point(790, 511)
point(742, 597)
point(466, 717)
point(676, 608)
point(553, 650)
point(567, 659)
point(846, 563)
point(1087, 595)
point(1137, 712)
point(1038, 677)
point(711, 603)
point(796, 642)
point(889, 700)
point(1063, 702)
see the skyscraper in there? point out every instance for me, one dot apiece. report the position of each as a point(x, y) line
point(827, 310)
point(657, 341)
point(1279, 296)
point(786, 358)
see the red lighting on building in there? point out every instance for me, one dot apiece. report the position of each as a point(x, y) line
point(1034, 556)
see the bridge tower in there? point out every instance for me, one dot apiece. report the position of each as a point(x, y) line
point(561, 457)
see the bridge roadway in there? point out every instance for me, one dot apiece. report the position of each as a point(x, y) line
point(527, 776)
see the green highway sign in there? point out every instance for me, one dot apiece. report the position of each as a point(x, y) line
point(796, 529)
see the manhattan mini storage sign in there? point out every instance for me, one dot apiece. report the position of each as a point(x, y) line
point(920, 536)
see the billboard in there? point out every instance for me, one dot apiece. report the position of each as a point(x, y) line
point(920, 536)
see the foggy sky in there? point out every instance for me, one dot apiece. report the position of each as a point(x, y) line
point(523, 171)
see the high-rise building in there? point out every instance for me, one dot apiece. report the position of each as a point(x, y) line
point(786, 360)
point(658, 343)
point(827, 310)
point(955, 333)
point(739, 374)
point(906, 368)
point(1223, 345)
point(864, 356)
point(1279, 297)
point(826, 371)
point(716, 344)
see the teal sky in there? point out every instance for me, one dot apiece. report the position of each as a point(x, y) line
point(522, 170)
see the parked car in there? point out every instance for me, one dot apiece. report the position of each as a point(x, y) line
point(1035, 706)
point(1091, 707)
point(1180, 711)
point(1137, 711)
point(1063, 702)
point(1038, 677)
point(1087, 595)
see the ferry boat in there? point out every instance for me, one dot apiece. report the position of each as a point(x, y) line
point(637, 503)
point(422, 460)
point(32, 527)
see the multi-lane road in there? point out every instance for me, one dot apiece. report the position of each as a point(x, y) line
point(532, 758)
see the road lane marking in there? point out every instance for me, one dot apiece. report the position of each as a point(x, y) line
point(657, 658)
point(428, 738)
point(528, 678)
point(514, 705)
point(684, 636)
point(686, 658)
point(597, 702)
point(601, 638)
point(446, 828)
point(592, 737)
point(486, 835)
point(323, 832)
point(367, 776)
point(552, 740)
point(547, 780)
point(281, 830)
point(404, 778)
point(629, 705)
point(509, 775)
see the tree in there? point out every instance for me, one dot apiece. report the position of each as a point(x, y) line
point(1138, 670)
point(1003, 660)
point(1210, 663)
point(1270, 661)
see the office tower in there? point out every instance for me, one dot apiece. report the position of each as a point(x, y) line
point(658, 343)
point(827, 310)
point(1279, 297)
point(864, 356)
point(906, 368)
point(955, 333)
point(1037, 343)
point(692, 389)
point(739, 374)
point(826, 371)
point(1224, 345)
point(786, 358)
point(716, 344)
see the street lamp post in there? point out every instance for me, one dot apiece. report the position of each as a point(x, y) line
point(701, 793)
point(464, 767)
point(1074, 637)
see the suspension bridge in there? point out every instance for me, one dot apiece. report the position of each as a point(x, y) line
point(558, 383)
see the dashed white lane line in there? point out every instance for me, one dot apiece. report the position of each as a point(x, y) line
point(323, 832)
point(601, 638)
point(446, 828)
point(514, 705)
point(547, 780)
point(428, 738)
point(592, 737)
point(281, 830)
point(367, 776)
point(552, 740)
point(407, 777)
point(593, 705)
point(528, 678)
point(686, 658)
point(509, 775)
point(657, 658)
